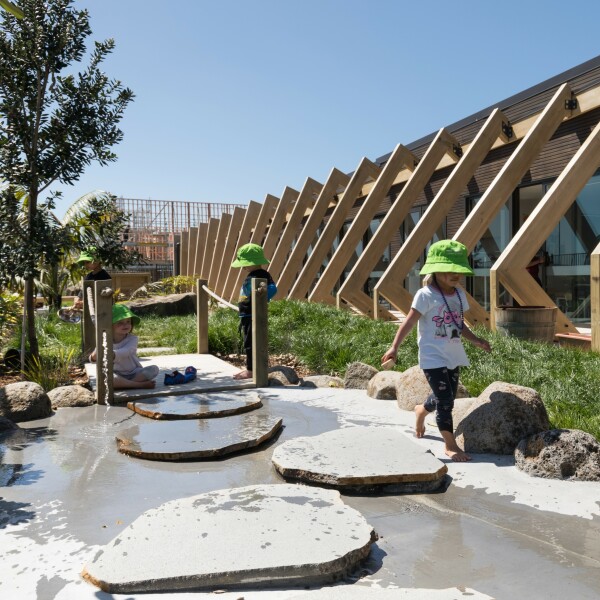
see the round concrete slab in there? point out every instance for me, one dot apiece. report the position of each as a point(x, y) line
point(358, 457)
point(243, 536)
point(197, 439)
point(197, 406)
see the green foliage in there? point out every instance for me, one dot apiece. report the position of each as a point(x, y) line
point(53, 124)
point(179, 284)
point(50, 370)
point(11, 308)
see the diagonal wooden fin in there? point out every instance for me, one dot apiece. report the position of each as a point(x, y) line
point(305, 201)
point(209, 247)
point(335, 181)
point(279, 221)
point(366, 170)
point(390, 285)
point(235, 226)
point(442, 144)
point(248, 225)
point(220, 241)
point(401, 158)
point(510, 268)
point(199, 250)
point(258, 234)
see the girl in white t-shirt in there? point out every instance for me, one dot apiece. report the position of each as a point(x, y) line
point(438, 308)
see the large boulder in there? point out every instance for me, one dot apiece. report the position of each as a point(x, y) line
point(322, 381)
point(500, 418)
point(412, 388)
point(383, 385)
point(560, 454)
point(71, 395)
point(24, 401)
point(172, 305)
point(358, 376)
point(283, 375)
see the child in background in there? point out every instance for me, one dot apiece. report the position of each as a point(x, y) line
point(96, 273)
point(251, 259)
point(127, 368)
point(438, 308)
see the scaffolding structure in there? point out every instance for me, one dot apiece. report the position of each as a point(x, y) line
point(155, 225)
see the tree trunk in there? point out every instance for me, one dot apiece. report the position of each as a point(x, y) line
point(34, 350)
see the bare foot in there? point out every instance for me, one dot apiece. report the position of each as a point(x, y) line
point(245, 374)
point(147, 384)
point(457, 455)
point(420, 413)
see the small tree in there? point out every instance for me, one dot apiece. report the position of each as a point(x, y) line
point(53, 123)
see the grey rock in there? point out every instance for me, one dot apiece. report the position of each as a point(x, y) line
point(383, 385)
point(412, 388)
point(7, 425)
point(24, 401)
point(165, 306)
point(560, 454)
point(502, 415)
point(71, 395)
point(284, 375)
point(358, 376)
point(322, 381)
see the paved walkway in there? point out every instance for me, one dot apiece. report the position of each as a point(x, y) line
point(214, 374)
point(65, 492)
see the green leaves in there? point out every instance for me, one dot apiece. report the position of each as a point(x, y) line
point(12, 9)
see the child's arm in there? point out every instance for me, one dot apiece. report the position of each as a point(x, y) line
point(476, 341)
point(405, 328)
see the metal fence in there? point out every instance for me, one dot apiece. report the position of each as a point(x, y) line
point(155, 224)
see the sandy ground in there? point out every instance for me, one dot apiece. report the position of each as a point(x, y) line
point(494, 532)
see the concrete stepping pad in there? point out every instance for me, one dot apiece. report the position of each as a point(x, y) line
point(243, 536)
point(355, 592)
point(361, 458)
point(199, 438)
point(197, 406)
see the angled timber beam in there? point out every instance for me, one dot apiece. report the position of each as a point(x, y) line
point(366, 170)
point(390, 286)
point(229, 248)
point(510, 268)
point(279, 220)
point(351, 289)
point(305, 201)
point(258, 235)
point(250, 218)
point(335, 181)
point(192, 241)
point(209, 247)
point(184, 241)
point(515, 168)
point(199, 250)
point(224, 224)
point(595, 297)
point(400, 159)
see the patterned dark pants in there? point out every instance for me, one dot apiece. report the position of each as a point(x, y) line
point(444, 384)
point(246, 331)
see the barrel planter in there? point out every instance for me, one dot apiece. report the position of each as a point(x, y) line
point(537, 323)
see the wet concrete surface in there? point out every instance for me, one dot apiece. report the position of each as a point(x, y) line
point(65, 491)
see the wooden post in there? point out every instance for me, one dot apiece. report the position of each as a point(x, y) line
point(260, 333)
point(104, 342)
point(595, 297)
point(202, 316)
point(88, 332)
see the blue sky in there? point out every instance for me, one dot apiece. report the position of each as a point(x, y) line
point(236, 99)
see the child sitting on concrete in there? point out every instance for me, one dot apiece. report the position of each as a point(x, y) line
point(127, 368)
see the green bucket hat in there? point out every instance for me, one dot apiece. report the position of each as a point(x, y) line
point(250, 255)
point(87, 255)
point(447, 256)
point(120, 312)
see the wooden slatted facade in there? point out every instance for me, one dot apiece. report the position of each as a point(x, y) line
point(543, 128)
